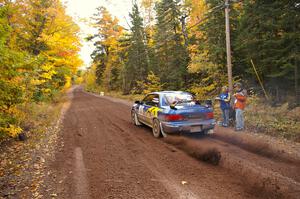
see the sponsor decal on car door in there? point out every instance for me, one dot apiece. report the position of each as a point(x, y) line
point(147, 115)
point(144, 107)
point(149, 108)
point(152, 109)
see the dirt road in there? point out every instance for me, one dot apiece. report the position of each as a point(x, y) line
point(103, 155)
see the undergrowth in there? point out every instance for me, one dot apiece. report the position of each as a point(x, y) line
point(35, 117)
point(275, 121)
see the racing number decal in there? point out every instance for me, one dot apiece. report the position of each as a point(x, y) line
point(153, 111)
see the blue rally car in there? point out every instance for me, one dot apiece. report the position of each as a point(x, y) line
point(168, 112)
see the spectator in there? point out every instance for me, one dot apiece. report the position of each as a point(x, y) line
point(224, 98)
point(239, 106)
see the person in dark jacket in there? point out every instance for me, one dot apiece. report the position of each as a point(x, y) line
point(224, 99)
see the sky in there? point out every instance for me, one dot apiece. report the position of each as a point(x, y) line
point(82, 10)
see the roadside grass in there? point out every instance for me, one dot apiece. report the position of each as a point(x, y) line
point(260, 117)
point(34, 118)
point(274, 121)
point(41, 115)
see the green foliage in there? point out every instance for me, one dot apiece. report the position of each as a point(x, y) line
point(151, 84)
point(171, 54)
point(137, 64)
point(269, 34)
point(11, 92)
point(207, 84)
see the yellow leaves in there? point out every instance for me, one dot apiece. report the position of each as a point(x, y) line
point(48, 72)
point(36, 82)
point(46, 67)
point(199, 61)
point(202, 91)
point(68, 82)
point(90, 76)
point(198, 9)
point(150, 85)
point(39, 42)
point(12, 130)
point(79, 80)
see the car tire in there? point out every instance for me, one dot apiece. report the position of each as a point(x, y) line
point(135, 119)
point(209, 132)
point(163, 134)
point(156, 128)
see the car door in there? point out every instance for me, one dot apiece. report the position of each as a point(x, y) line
point(151, 106)
point(143, 107)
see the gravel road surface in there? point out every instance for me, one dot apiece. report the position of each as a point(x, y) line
point(103, 155)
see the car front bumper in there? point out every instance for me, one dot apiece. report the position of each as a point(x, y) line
point(187, 126)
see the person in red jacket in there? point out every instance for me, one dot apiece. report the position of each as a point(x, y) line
point(239, 106)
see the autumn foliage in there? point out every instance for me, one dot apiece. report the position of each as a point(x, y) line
point(39, 47)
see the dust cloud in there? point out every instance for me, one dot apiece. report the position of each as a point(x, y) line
point(204, 152)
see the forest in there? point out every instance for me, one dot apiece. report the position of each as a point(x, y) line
point(39, 47)
point(180, 44)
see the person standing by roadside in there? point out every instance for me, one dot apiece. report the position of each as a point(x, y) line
point(224, 99)
point(239, 106)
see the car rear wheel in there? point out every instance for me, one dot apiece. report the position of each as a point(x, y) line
point(135, 119)
point(156, 128)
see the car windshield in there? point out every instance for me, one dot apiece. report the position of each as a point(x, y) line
point(177, 99)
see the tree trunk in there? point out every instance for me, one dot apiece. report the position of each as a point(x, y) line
point(297, 91)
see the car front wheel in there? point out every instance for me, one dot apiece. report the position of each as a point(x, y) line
point(135, 119)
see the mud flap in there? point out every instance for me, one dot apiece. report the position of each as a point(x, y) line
point(162, 131)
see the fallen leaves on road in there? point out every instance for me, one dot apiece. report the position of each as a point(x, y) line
point(183, 182)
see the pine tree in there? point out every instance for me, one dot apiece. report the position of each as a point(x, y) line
point(269, 35)
point(214, 42)
point(172, 56)
point(137, 64)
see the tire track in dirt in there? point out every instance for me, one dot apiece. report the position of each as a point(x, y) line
point(258, 173)
point(80, 176)
point(121, 173)
point(161, 176)
point(254, 145)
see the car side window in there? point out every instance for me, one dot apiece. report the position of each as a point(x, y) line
point(151, 100)
point(155, 101)
point(147, 99)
